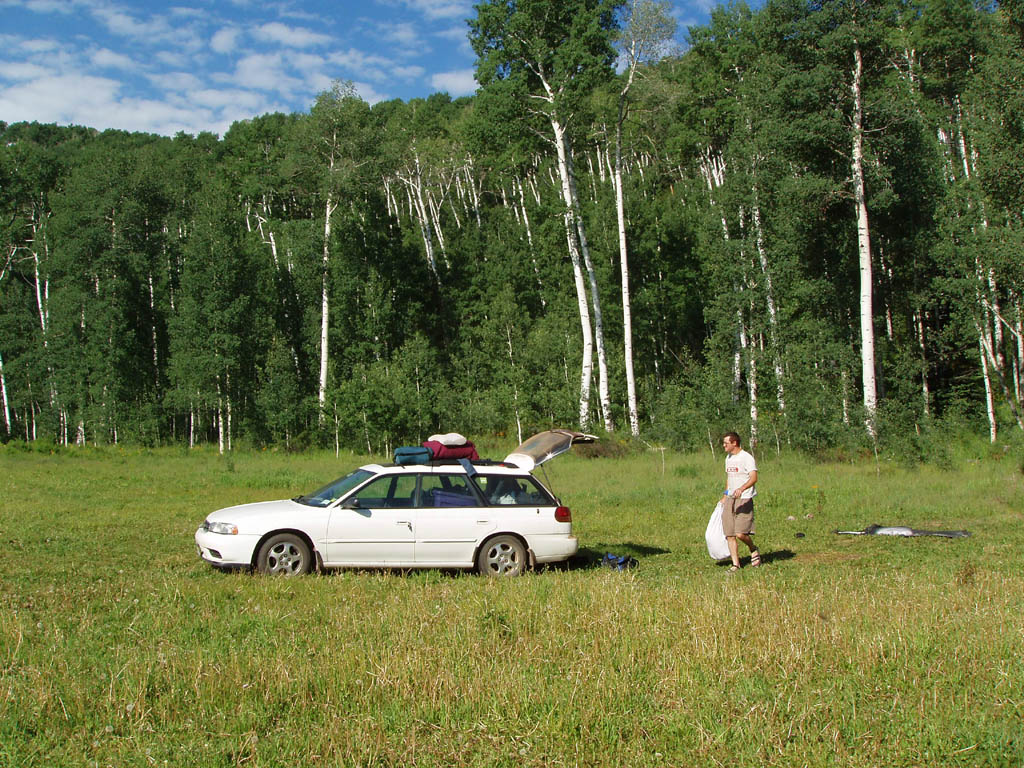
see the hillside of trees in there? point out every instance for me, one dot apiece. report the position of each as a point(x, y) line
point(808, 227)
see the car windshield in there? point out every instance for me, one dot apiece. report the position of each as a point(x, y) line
point(335, 490)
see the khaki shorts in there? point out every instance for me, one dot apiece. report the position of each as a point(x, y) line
point(737, 516)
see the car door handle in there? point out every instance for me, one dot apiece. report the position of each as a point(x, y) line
point(406, 523)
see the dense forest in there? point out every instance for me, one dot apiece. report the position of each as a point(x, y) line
point(808, 226)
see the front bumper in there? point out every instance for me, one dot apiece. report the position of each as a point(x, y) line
point(227, 551)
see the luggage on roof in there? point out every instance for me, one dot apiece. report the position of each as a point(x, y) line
point(413, 454)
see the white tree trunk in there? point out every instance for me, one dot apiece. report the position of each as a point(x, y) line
point(7, 405)
point(1018, 368)
point(529, 240)
point(752, 392)
point(474, 191)
point(153, 334)
point(773, 321)
point(515, 386)
point(572, 237)
point(220, 419)
point(867, 332)
point(416, 198)
point(985, 336)
point(627, 316)
point(845, 384)
point(925, 392)
point(42, 285)
point(412, 179)
point(325, 304)
point(990, 404)
point(602, 359)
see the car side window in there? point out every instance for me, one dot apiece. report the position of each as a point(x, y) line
point(446, 491)
point(389, 492)
point(503, 490)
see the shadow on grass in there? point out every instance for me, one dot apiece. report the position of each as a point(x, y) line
point(590, 557)
point(585, 559)
point(767, 558)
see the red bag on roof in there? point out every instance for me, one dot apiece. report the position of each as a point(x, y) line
point(467, 451)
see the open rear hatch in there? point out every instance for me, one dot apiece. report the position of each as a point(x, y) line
point(544, 446)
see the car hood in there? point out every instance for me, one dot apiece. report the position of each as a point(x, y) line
point(245, 513)
point(544, 446)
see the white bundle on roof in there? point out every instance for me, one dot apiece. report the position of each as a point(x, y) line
point(452, 439)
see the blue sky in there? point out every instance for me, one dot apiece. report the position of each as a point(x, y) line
point(200, 65)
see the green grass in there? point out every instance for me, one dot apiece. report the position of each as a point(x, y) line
point(119, 647)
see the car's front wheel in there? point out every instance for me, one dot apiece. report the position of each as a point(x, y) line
point(502, 556)
point(285, 554)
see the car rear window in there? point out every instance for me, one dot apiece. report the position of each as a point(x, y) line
point(509, 490)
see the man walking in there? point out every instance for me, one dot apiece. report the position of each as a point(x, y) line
point(738, 502)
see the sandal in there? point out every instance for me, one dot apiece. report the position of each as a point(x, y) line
point(755, 558)
point(733, 569)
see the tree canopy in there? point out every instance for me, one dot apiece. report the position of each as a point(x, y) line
point(366, 275)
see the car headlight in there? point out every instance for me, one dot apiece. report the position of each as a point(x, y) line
point(228, 529)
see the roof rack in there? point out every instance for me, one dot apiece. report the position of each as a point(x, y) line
point(455, 462)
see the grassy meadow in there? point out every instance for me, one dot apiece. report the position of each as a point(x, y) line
point(119, 647)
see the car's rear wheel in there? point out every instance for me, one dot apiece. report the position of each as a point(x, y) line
point(284, 554)
point(502, 556)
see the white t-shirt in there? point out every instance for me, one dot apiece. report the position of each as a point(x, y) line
point(737, 471)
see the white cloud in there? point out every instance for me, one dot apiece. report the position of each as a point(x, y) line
point(404, 33)
point(151, 117)
point(104, 58)
point(224, 40)
point(199, 65)
point(21, 70)
point(61, 99)
point(408, 73)
point(369, 94)
point(293, 37)
point(47, 6)
point(306, 61)
point(38, 46)
point(245, 101)
point(298, 13)
point(318, 82)
point(441, 9)
point(174, 59)
point(265, 72)
point(121, 23)
point(458, 83)
point(144, 32)
point(176, 81)
point(356, 59)
point(181, 11)
point(457, 32)
point(354, 63)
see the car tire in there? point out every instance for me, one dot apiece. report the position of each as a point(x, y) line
point(502, 556)
point(284, 554)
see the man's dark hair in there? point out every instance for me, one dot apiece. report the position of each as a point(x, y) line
point(733, 438)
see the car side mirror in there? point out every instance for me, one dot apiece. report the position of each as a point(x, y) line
point(351, 504)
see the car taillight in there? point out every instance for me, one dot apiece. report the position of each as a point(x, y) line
point(563, 515)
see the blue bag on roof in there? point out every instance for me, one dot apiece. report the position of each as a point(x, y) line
point(413, 454)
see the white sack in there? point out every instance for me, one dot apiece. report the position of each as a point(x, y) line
point(718, 547)
point(452, 439)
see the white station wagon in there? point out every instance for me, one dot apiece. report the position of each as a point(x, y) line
point(492, 516)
